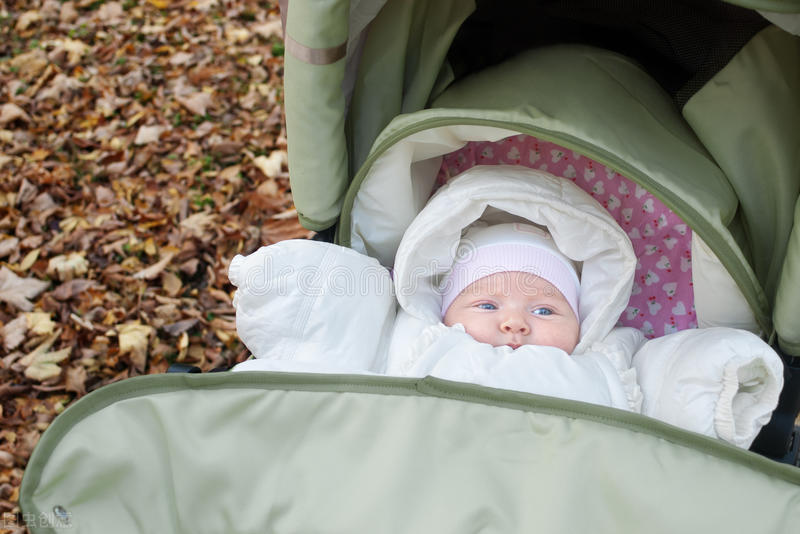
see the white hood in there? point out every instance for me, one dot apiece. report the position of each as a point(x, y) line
point(582, 229)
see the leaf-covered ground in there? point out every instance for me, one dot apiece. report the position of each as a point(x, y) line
point(141, 147)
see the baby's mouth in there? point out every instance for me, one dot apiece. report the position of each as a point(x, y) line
point(514, 346)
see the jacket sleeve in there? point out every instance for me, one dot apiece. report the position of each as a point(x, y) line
point(720, 382)
point(313, 306)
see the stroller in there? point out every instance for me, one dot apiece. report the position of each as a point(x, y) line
point(696, 103)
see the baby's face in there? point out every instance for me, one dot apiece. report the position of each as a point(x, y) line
point(514, 309)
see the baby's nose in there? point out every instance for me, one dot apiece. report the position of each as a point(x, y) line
point(515, 324)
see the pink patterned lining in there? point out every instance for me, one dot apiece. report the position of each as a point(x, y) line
point(662, 300)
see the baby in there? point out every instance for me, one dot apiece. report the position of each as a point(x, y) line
point(512, 286)
point(508, 310)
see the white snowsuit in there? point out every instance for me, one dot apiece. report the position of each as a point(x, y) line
point(316, 307)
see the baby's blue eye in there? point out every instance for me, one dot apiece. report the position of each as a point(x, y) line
point(542, 311)
point(487, 306)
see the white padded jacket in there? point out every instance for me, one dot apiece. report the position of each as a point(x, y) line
point(316, 307)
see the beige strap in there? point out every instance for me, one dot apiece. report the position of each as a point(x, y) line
point(315, 56)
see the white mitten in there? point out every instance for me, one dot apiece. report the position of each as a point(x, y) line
point(314, 304)
point(720, 382)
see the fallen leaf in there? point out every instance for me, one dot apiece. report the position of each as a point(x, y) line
point(198, 103)
point(271, 165)
point(75, 380)
point(237, 35)
point(45, 366)
point(269, 29)
point(30, 64)
point(10, 112)
point(189, 267)
point(41, 364)
point(40, 323)
point(27, 192)
point(43, 202)
point(111, 13)
point(230, 174)
point(16, 291)
point(26, 19)
point(180, 58)
point(198, 223)
point(183, 346)
point(29, 259)
point(67, 267)
point(68, 12)
point(180, 327)
point(268, 188)
point(75, 49)
point(134, 338)
point(14, 332)
point(8, 245)
point(172, 284)
point(43, 347)
point(71, 288)
point(154, 270)
point(6, 459)
point(149, 134)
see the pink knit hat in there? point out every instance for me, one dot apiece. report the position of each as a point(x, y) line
point(484, 251)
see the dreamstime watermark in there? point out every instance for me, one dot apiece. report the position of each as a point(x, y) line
point(267, 278)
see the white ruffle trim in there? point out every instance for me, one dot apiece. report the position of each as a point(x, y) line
point(626, 373)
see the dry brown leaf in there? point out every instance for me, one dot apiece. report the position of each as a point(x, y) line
point(27, 19)
point(75, 380)
point(75, 49)
point(16, 291)
point(199, 223)
point(30, 64)
point(172, 284)
point(8, 245)
point(4, 160)
point(134, 339)
point(40, 323)
point(40, 364)
point(68, 266)
point(154, 270)
point(180, 327)
point(183, 346)
point(268, 188)
point(111, 13)
point(180, 58)
point(44, 366)
point(271, 165)
point(29, 259)
point(43, 202)
point(14, 332)
point(27, 192)
point(149, 134)
point(230, 174)
point(237, 34)
point(269, 29)
point(71, 288)
point(198, 103)
point(6, 459)
point(10, 112)
point(68, 12)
